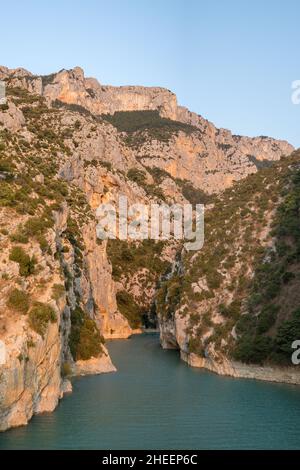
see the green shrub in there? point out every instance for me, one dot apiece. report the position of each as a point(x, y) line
point(25, 262)
point(139, 177)
point(6, 165)
point(158, 174)
point(48, 79)
point(253, 349)
point(36, 226)
point(44, 245)
point(22, 96)
point(4, 107)
point(30, 344)
point(89, 341)
point(233, 310)
point(85, 340)
point(66, 369)
point(129, 258)
point(35, 112)
point(136, 175)
point(19, 301)
point(129, 308)
point(72, 107)
point(288, 332)
point(287, 277)
point(106, 165)
point(195, 346)
point(267, 318)
point(20, 237)
point(7, 194)
point(39, 317)
point(58, 290)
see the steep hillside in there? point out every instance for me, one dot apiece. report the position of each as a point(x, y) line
point(236, 301)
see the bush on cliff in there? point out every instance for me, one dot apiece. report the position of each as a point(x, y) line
point(58, 290)
point(7, 195)
point(129, 258)
point(66, 369)
point(18, 300)
point(129, 308)
point(85, 340)
point(25, 262)
point(196, 347)
point(136, 175)
point(89, 341)
point(39, 317)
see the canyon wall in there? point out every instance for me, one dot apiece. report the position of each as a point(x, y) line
point(61, 156)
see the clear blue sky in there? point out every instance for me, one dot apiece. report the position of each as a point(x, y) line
point(232, 61)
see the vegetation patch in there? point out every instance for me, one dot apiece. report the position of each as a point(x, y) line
point(129, 308)
point(192, 194)
point(40, 316)
point(18, 300)
point(129, 258)
point(85, 340)
point(58, 290)
point(141, 126)
point(25, 262)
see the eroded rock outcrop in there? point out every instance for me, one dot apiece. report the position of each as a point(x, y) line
point(12, 118)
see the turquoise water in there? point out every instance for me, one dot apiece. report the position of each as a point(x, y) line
point(157, 401)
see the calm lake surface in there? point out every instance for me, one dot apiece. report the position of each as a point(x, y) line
point(155, 401)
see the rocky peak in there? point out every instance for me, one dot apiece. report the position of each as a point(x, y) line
point(19, 72)
point(71, 86)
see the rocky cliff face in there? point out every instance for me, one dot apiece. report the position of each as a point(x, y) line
point(70, 86)
point(68, 144)
point(209, 157)
point(31, 380)
point(37, 361)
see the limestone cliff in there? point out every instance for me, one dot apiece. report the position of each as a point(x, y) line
point(209, 157)
point(37, 357)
